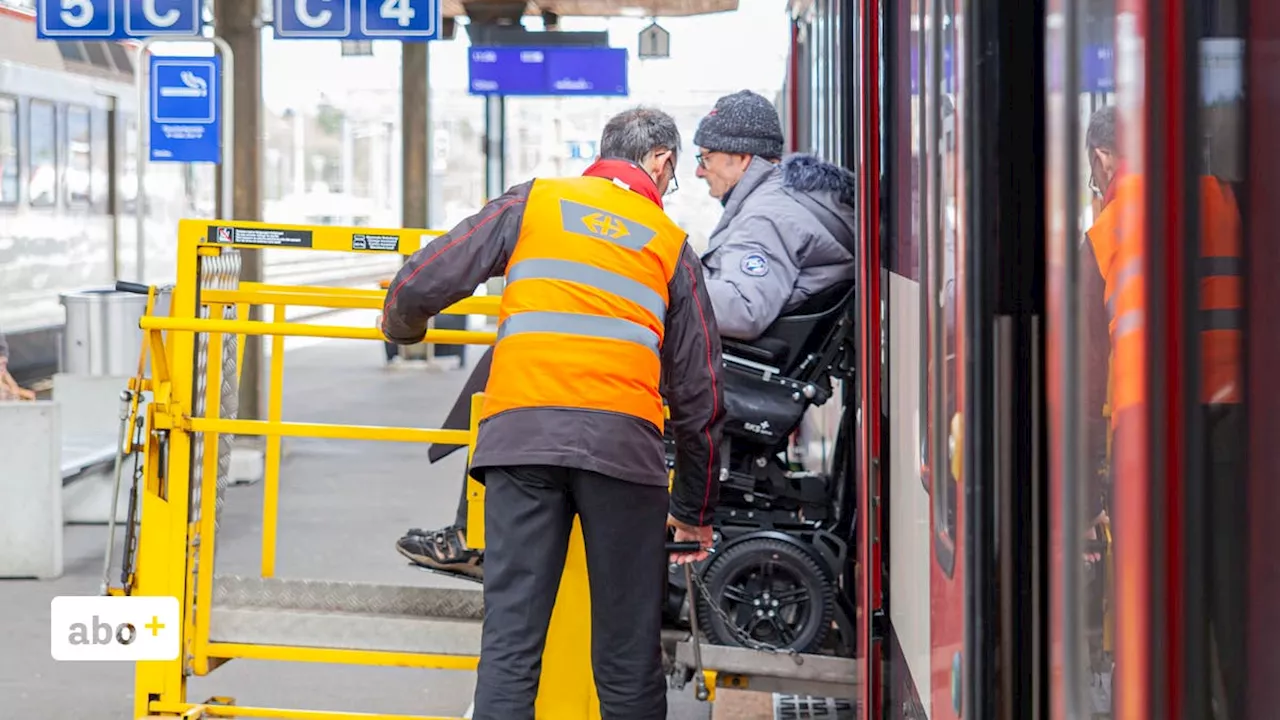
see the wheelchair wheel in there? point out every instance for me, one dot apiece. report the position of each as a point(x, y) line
point(766, 592)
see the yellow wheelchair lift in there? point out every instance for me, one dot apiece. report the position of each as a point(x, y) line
point(194, 359)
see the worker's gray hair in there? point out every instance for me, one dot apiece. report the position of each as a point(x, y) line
point(1101, 134)
point(633, 134)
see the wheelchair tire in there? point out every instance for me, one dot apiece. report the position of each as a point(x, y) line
point(773, 593)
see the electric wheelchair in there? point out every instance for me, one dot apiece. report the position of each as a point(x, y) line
point(778, 575)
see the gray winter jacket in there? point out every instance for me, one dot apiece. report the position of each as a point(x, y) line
point(788, 232)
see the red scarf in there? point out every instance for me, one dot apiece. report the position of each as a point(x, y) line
point(628, 172)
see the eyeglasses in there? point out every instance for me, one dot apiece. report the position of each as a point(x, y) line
point(702, 160)
point(674, 185)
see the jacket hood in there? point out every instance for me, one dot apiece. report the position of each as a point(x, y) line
point(828, 191)
point(809, 174)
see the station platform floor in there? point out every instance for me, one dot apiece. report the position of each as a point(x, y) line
point(343, 504)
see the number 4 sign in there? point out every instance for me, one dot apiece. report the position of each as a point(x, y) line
point(405, 20)
point(399, 10)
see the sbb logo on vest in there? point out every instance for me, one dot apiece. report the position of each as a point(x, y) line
point(606, 226)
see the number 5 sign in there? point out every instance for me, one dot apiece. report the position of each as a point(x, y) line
point(117, 19)
point(405, 20)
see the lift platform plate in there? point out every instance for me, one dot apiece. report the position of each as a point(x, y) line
point(738, 667)
point(345, 615)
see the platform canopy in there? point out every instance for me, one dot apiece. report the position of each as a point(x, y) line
point(603, 8)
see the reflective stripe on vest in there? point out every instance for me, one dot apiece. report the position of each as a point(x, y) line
point(581, 322)
point(578, 324)
point(583, 274)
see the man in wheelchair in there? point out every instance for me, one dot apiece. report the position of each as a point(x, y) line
point(780, 268)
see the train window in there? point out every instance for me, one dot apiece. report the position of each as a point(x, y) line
point(8, 151)
point(42, 159)
point(79, 154)
point(129, 177)
point(101, 185)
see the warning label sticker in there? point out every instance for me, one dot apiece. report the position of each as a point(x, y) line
point(381, 243)
point(260, 236)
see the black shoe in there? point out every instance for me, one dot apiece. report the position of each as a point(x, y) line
point(444, 550)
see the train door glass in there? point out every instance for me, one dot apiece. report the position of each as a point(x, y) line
point(1216, 478)
point(1149, 548)
point(79, 154)
point(1095, 203)
point(42, 157)
point(924, 166)
point(8, 151)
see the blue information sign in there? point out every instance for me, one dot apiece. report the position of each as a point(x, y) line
point(1097, 70)
point(548, 71)
point(185, 123)
point(117, 19)
point(405, 20)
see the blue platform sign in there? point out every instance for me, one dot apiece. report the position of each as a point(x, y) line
point(117, 19)
point(185, 123)
point(548, 71)
point(404, 20)
point(1097, 73)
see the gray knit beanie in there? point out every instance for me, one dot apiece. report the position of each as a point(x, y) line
point(743, 122)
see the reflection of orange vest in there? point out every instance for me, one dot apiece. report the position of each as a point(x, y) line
point(581, 317)
point(1119, 241)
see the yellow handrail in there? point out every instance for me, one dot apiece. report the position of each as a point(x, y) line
point(259, 327)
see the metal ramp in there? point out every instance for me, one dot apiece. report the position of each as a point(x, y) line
point(251, 612)
point(747, 669)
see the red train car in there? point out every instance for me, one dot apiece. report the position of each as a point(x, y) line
point(1067, 426)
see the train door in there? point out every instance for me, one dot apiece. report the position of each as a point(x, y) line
point(923, 343)
point(964, 321)
point(1165, 410)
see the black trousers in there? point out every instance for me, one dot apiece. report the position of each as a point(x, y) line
point(529, 513)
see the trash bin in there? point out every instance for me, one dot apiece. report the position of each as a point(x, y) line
point(101, 336)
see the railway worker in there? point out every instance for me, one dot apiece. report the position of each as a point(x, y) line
point(788, 231)
point(604, 299)
point(787, 234)
point(9, 388)
point(1117, 241)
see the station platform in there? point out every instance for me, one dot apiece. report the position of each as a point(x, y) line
point(342, 506)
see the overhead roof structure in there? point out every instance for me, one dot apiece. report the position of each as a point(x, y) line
point(603, 8)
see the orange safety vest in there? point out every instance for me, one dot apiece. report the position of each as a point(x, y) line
point(580, 324)
point(1118, 239)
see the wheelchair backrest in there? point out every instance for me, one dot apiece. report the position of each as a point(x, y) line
point(814, 329)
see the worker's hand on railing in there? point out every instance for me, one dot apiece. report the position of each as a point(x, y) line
point(698, 537)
